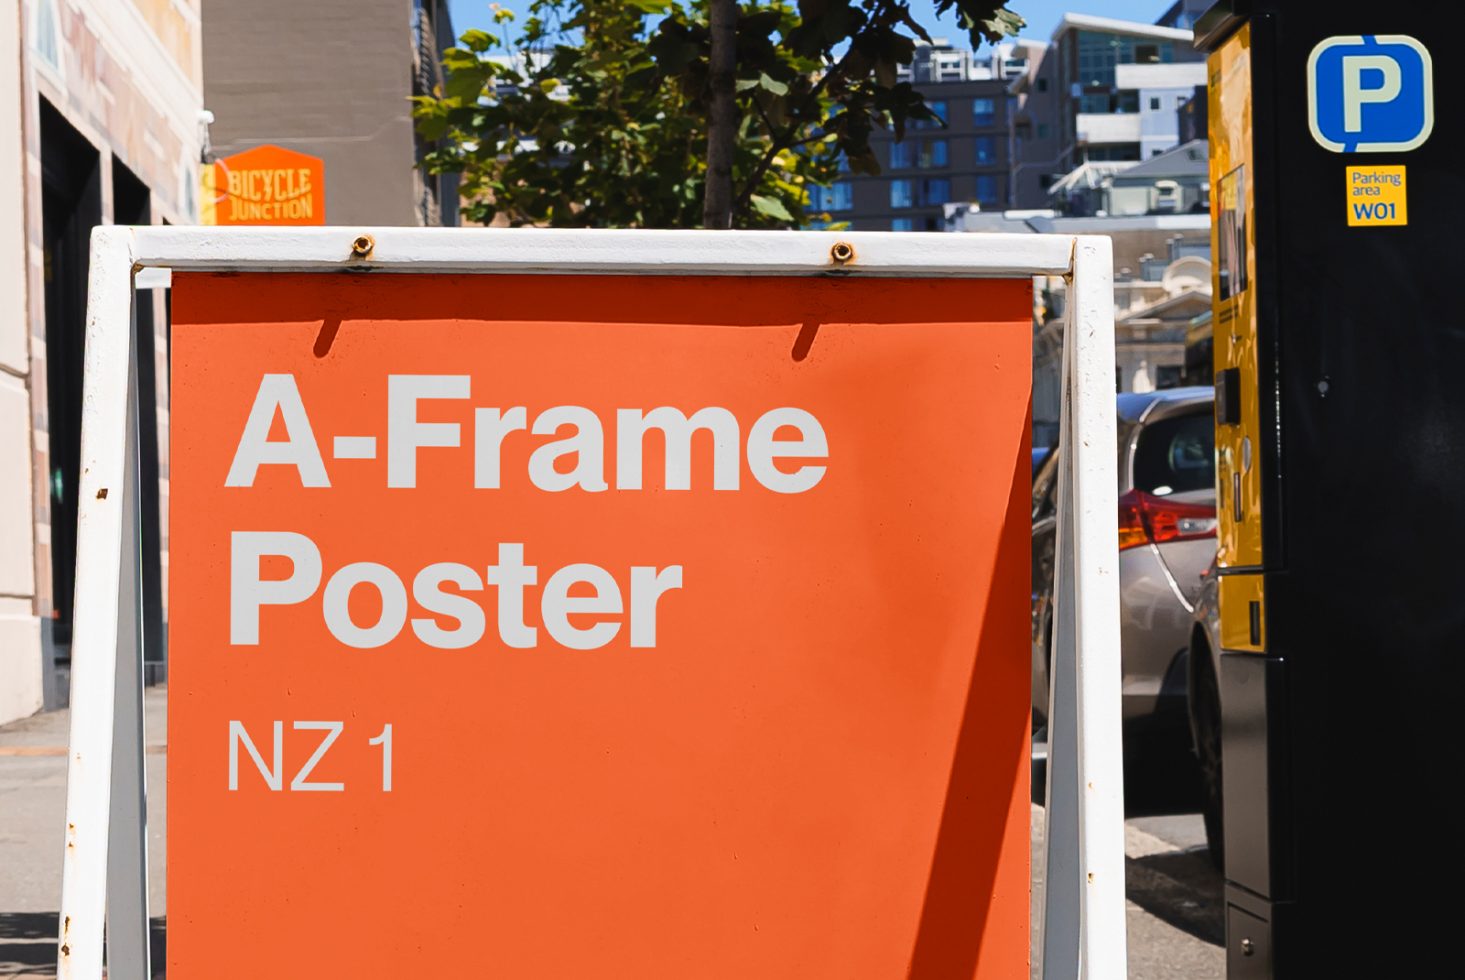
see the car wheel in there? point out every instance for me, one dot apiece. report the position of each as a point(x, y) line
point(1040, 713)
point(1206, 715)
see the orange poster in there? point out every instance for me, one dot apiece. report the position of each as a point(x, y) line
point(597, 626)
point(266, 185)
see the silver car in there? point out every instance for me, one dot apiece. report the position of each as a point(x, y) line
point(1204, 696)
point(1167, 539)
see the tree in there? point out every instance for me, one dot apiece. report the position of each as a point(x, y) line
point(669, 114)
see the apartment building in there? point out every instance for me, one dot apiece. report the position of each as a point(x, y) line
point(962, 158)
point(1102, 90)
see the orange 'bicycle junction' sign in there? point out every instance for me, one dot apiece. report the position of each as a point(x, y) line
point(266, 185)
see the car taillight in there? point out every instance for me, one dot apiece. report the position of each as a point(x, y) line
point(1145, 519)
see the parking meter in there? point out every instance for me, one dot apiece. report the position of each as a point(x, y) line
point(1335, 167)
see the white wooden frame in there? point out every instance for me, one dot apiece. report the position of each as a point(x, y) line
point(1083, 931)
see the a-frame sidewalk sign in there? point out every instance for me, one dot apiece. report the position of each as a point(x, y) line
point(763, 710)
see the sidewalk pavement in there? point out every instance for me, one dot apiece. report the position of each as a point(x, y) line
point(1174, 896)
point(32, 818)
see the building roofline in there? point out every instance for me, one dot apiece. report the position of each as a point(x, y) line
point(1117, 26)
point(1151, 311)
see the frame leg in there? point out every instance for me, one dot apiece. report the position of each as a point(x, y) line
point(127, 878)
point(1062, 898)
point(102, 515)
point(1084, 913)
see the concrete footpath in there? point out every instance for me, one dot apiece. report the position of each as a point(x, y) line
point(1174, 904)
point(1174, 895)
point(32, 818)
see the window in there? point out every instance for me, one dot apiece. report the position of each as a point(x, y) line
point(933, 153)
point(900, 156)
point(987, 189)
point(984, 112)
point(46, 34)
point(1231, 233)
point(1177, 454)
point(937, 191)
point(1167, 376)
point(1043, 131)
point(1154, 103)
point(902, 224)
point(837, 197)
point(986, 149)
point(1098, 53)
point(1042, 85)
point(1045, 181)
point(1113, 151)
point(900, 194)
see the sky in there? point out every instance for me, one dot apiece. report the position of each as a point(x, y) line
point(1042, 16)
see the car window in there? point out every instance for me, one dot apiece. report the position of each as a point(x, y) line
point(1176, 455)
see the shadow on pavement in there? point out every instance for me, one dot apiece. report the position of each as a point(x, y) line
point(28, 944)
point(1181, 888)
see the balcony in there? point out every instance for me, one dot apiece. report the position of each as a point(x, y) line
point(1104, 127)
point(1184, 75)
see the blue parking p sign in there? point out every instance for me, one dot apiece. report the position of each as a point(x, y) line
point(1371, 93)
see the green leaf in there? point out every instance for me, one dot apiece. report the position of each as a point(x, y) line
point(477, 40)
point(650, 6)
point(769, 84)
point(1004, 23)
point(548, 85)
point(771, 206)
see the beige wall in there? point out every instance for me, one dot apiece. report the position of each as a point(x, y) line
point(289, 73)
point(129, 81)
point(20, 630)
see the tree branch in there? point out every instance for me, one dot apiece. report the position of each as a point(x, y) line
point(883, 16)
point(785, 140)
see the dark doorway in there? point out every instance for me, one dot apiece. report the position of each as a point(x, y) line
point(132, 205)
point(71, 204)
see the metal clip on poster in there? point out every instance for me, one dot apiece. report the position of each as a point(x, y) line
point(848, 794)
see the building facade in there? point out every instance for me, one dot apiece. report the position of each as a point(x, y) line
point(100, 104)
point(1173, 182)
point(1104, 90)
point(966, 159)
point(1035, 149)
point(1104, 66)
point(290, 74)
